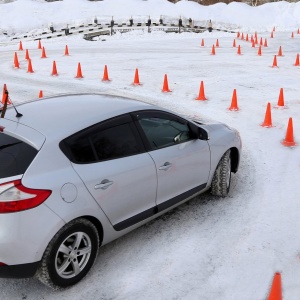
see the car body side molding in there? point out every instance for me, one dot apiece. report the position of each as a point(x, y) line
point(181, 197)
point(157, 209)
point(135, 219)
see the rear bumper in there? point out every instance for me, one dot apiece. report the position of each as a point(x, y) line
point(19, 271)
point(24, 235)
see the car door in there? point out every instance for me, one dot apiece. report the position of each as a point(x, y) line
point(119, 174)
point(182, 160)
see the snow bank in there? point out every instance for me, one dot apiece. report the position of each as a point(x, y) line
point(25, 15)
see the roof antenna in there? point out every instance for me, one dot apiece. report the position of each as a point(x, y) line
point(18, 115)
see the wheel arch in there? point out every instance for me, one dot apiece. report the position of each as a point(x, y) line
point(97, 224)
point(235, 159)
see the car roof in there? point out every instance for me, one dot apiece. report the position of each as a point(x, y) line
point(63, 115)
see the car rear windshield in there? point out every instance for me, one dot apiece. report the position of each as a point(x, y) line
point(15, 156)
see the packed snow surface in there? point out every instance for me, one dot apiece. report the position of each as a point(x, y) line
point(208, 248)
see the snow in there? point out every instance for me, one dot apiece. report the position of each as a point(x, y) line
point(208, 248)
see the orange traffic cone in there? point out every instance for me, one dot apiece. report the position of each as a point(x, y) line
point(297, 62)
point(239, 50)
point(165, 88)
point(213, 51)
point(39, 45)
point(268, 118)
point(29, 69)
point(280, 103)
point(253, 44)
point(5, 95)
point(234, 105)
point(26, 54)
point(105, 74)
point(217, 43)
point(266, 43)
point(201, 92)
point(298, 31)
point(256, 40)
point(292, 36)
point(279, 51)
point(259, 51)
point(79, 73)
point(238, 35)
point(136, 80)
point(20, 46)
point(67, 50)
point(288, 142)
point(41, 94)
point(261, 41)
point(43, 53)
point(4, 98)
point(54, 69)
point(202, 43)
point(16, 61)
point(234, 44)
point(242, 37)
point(247, 38)
point(272, 35)
point(274, 62)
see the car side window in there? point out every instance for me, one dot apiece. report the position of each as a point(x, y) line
point(163, 130)
point(115, 142)
point(79, 149)
point(111, 139)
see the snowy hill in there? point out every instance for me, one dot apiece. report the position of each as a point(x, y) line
point(25, 15)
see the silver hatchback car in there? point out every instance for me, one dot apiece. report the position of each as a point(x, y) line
point(78, 171)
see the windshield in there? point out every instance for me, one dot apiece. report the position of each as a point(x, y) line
point(15, 156)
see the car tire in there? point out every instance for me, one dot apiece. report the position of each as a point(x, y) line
point(70, 254)
point(221, 181)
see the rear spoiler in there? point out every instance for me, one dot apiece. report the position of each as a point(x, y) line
point(22, 132)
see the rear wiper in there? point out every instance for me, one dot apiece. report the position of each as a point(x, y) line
point(9, 145)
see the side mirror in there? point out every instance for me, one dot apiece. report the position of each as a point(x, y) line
point(199, 132)
point(203, 134)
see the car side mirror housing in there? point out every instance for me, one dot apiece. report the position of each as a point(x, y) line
point(203, 134)
point(199, 132)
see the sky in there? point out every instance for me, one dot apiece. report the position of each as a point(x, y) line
point(208, 248)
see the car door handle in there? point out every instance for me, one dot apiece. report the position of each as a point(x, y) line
point(165, 166)
point(103, 185)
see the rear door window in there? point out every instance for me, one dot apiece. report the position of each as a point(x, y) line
point(15, 156)
point(111, 139)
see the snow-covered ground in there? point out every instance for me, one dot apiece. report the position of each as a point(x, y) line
point(209, 248)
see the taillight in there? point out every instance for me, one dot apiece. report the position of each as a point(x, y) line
point(16, 197)
point(2, 264)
